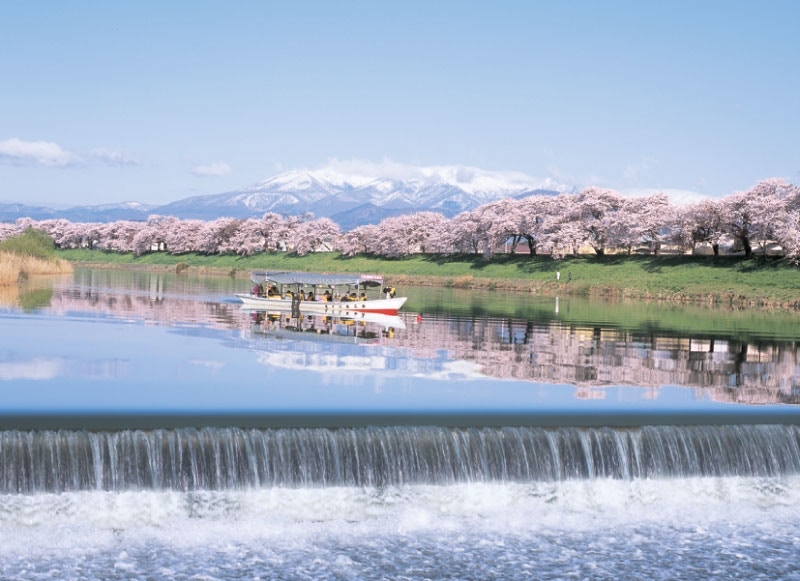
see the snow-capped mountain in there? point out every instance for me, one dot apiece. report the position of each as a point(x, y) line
point(330, 193)
point(110, 212)
point(350, 195)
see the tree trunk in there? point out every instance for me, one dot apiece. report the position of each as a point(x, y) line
point(657, 247)
point(748, 249)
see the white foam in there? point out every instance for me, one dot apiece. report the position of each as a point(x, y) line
point(85, 521)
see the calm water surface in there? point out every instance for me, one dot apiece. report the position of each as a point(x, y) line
point(153, 429)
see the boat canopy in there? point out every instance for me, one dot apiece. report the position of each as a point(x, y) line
point(316, 278)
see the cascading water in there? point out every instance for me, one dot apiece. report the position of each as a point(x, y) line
point(230, 459)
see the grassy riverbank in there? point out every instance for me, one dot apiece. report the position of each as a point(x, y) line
point(723, 280)
point(28, 254)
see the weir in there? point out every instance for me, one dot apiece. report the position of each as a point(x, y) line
point(230, 458)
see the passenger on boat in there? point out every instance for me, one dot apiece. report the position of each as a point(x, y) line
point(363, 297)
point(310, 296)
point(273, 291)
point(326, 296)
point(389, 291)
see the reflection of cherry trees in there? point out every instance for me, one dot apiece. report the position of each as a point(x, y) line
point(594, 219)
point(589, 357)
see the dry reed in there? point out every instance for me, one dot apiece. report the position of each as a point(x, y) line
point(14, 267)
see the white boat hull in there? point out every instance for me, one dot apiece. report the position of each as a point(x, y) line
point(331, 308)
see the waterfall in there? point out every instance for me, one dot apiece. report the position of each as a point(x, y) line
point(232, 458)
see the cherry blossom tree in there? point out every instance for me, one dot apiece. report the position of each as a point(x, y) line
point(248, 238)
point(360, 240)
point(407, 234)
point(738, 220)
point(81, 235)
point(265, 234)
point(462, 234)
point(770, 203)
point(767, 213)
point(319, 235)
point(624, 232)
point(597, 210)
point(117, 236)
point(701, 222)
point(8, 230)
point(499, 222)
point(184, 236)
point(423, 229)
point(536, 216)
point(214, 237)
point(154, 234)
point(567, 236)
point(642, 220)
point(788, 235)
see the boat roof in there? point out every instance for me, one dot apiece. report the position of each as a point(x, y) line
point(316, 278)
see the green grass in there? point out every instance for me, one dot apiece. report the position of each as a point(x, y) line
point(711, 279)
point(31, 242)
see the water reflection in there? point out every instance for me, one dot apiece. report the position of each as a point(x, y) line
point(592, 357)
point(571, 342)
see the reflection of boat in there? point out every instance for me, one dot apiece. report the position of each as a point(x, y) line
point(325, 327)
point(328, 294)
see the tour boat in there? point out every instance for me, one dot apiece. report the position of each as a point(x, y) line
point(341, 295)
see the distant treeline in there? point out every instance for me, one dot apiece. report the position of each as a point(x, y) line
point(764, 218)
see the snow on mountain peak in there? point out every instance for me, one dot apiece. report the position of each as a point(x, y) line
point(386, 176)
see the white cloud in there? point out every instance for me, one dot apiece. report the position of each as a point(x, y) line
point(114, 158)
point(14, 151)
point(369, 170)
point(677, 197)
point(216, 169)
point(635, 171)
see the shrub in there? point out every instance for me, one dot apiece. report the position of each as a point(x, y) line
point(31, 242)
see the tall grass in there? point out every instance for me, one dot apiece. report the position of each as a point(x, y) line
point(31, 242)
point(28, 254)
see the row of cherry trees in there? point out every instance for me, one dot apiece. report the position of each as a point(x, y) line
point(600, 219)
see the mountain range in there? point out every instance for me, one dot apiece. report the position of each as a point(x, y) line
point(349, 199)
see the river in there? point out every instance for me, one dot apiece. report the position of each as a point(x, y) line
point(153, 429)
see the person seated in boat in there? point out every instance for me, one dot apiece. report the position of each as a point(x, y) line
point(256, 290)
point(363, 297)
point(289, 295)
point(353, 296)
point(389, 291)
point(326, 296)
point(310, 296)
point(273, 291)
point(345, 298)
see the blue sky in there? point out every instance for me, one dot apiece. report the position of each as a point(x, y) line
point(156, 101)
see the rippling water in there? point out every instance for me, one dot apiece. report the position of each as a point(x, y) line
point(422, 451)
point(690, 528)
